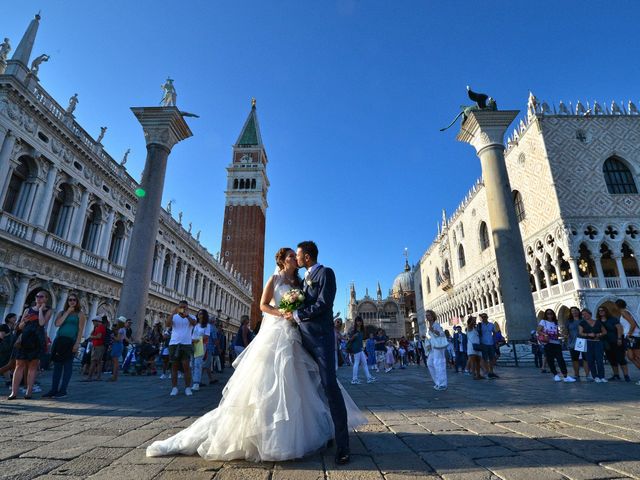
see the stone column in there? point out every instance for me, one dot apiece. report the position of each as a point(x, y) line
point(21, 294)
point(62, 297)
point(163, 128)
point(547, 276)
point(78, 219)
point(107, 230)
point(597, 259)
point(575, 273)
point(623, 277)
point(160, 263)
point(172, 272)
point(8, 142)
point(484, 130)
point(94, 303)
point(45, 198)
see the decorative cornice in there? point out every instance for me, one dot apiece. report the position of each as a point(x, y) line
point(486, 128)
point(163, 126)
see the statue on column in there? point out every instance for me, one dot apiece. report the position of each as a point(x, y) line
point(170, 95)
point(5, 48)
point(73, 103)
point(103, 130)
point(126, 156)
point(35, 65)
point(483, 102)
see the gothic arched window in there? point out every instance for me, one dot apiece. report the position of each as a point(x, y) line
point(618, 177)
point(235, 184)
point(461, 260)
point(484, 236)
point(517, 203)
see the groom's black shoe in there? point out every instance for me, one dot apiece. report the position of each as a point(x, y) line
point(342, 457)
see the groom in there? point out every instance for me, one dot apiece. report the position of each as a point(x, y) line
point(315, 319)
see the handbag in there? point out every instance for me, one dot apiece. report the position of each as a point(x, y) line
point(581, 345)
point(438, 341)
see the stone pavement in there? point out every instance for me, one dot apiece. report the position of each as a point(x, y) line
point(522, 426)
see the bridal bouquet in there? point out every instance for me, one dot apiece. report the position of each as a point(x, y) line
point(292, 300)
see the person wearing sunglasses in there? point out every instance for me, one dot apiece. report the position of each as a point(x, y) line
point(30, 344)
point(70, 323)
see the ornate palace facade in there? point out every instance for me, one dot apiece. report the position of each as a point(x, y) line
point(67, 209)
point(575, 175)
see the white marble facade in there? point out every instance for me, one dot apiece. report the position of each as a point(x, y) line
point(66, 212)
point(575, 176)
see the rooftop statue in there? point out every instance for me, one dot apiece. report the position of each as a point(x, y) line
point(483, 102)
point(73, 103)
point(126, 156)
point(103, 130)
point(169, 206)
point(35, 65)
point(170, 95)
point(5, 48)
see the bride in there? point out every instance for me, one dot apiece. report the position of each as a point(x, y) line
point(273, 407)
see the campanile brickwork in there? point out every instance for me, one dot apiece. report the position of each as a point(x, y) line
point(243, 232)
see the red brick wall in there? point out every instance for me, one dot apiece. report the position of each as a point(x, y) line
point(243, 237)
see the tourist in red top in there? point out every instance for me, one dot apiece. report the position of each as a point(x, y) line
point(97, 338)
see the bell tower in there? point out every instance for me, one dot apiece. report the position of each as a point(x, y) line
point(245, 209)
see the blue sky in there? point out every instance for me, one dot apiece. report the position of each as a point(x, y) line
point(350, 94)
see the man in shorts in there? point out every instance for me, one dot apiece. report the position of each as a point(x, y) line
point(181, 346)
point(487, 329)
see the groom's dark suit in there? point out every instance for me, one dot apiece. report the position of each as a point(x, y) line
point(318, 338)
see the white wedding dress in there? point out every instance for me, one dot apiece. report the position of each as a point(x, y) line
point(273, 407)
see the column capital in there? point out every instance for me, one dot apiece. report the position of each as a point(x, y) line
point(486, 128)
point(163, 126)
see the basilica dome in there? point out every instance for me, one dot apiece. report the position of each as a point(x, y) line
point(404, 281)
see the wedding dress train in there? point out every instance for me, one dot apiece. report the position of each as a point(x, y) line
point(273, 407)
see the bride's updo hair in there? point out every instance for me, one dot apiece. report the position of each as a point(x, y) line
point(281, 255)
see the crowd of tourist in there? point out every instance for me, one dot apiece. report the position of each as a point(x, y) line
point(194, 347)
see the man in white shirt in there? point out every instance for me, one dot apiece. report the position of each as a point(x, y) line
point(181, 345)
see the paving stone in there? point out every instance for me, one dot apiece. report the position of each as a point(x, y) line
point(26, 468)
point(401, 463)
point(243, 474)
point(454, 466)
point(569, 465)
point(311, 469)
point(427, 442)
point(492, 451)
point(519, 468)
point(109, 452)
point(69, 447)
point(82, 466)
point(14, 448)
point(138, 456)
point(139, 472)
point(626, 467)
point(133, 438)
point(180, 475)
point(465, 439)
point(383, 443)
point(192, 462)
point(361, 467)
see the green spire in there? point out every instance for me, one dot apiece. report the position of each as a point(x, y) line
point(250, 134)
